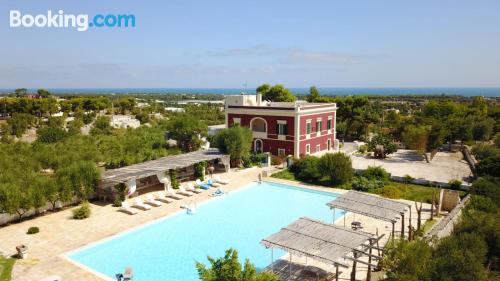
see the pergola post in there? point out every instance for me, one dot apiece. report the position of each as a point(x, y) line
point(336, 272)
point(409, 226)
point(333, 222)
point(272, 259)
point(345, 214)
point(402, 226)
point(369, 271)
point(353, 272)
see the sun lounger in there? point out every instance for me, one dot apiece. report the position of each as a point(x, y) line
point(220, 180)
point(126, 208)
point(201, 184)
point(160, 196)
point(184, 192)
point(213, 183)
point(151, 201)
point(172, 194)
point(140, 205)
point(190, 187)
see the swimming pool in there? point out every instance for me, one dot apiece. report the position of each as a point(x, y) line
point(168, 248)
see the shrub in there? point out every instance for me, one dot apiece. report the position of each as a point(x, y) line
point(376, 173)
point(337, 166)
point(483, 151)
point(390, 191)
point(365, 184)
point(454, 184)
point(408, 179)
point(276, 160)
point(33, 230)
point(258, 158)
point(306, 169)
point(173, 178)
point(117, 202)
point(489, 166)
point(363, 148)
point(199, 170)
point(82, 212)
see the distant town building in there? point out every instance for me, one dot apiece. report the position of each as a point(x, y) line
point(284, 128)
point(174, 109)
point(124, 121)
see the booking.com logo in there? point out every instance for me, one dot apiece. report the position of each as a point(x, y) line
point(80, 22)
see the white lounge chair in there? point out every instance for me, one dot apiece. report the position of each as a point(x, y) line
point(221, 180)
point(202, 185)
point(126, 208)
point(128, 274)
point(172, 194)
point(190, 187)
point(184, 192)
point(151, 201)
point(140, 205)
point(160, 196)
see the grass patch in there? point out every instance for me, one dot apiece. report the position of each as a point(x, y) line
point(413, 192)
point(393, 190)
point(6, 265)
point(284, 175)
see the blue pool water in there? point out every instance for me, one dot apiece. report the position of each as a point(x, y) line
point(168, 248)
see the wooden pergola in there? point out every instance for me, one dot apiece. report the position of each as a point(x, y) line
point(372, 206)
point(323, 242)
point(130, 174)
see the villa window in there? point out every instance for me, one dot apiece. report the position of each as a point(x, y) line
point(318, 126)
point(282, 129)
point(308, 149)
point(318, 148)
point(308, 128)
point(329, 124)
point(281, 152)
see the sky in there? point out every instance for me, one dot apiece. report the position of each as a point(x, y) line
point(226, 44)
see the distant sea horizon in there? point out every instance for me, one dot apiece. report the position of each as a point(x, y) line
point(327, 91)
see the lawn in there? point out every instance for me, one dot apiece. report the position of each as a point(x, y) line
point(393, 190)
point(6, 265)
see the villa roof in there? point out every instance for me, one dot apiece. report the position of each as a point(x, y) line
point(370, 205)
point(163, 164)
point(323, 242)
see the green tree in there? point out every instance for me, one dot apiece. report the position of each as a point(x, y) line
point(416, 137)
point(313, 94)
point(187, 130)
point(43, 93)
point(408, 261)
point(101, 126)
point(235, 141)
point(19, 123)
point(277, 93)
point(460, 258)
point(21, 92)
point(489, 166)
point(228, 268)
point(337, 166)
point(306, 168)
point(51, 135)
point(388, 144)
point(483, 129)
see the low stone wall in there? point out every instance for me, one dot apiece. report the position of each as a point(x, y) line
point(8, 218)
point(446, 225)
point(471, 160)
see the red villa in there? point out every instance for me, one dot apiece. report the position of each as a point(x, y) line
point(284, 128)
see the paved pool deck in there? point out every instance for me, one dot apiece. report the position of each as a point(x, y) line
point(59, 234)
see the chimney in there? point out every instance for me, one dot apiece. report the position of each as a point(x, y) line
point(259, 99)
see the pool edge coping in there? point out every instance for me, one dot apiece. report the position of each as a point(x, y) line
point(297, 185)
